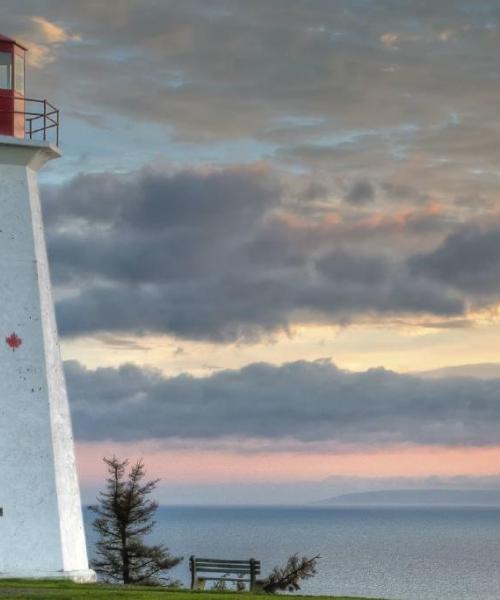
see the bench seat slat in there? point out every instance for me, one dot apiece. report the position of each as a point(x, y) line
point(225, 568)
point(224, 565)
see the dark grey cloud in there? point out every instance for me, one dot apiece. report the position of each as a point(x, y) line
point(361, 192)
point(301, 401)
point(219, 255)
point(466, 260)
point(314, 191)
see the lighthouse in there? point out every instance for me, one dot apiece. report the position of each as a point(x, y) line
point(41, 525)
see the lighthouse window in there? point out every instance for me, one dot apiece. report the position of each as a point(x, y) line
point(19, 74)
point(5, 70)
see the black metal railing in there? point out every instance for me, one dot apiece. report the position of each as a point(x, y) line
point(42, 123)
point(41, 119)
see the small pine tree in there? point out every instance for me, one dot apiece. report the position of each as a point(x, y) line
point(287, 578)
point(124, 517)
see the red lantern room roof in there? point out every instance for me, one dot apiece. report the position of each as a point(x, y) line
point(8, 40)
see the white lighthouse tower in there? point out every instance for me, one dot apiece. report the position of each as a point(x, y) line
point(41, 526)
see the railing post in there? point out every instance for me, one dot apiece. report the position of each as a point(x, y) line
point(45, 120)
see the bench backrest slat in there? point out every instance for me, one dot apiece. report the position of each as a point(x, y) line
point(224, 561)
point(232, 570)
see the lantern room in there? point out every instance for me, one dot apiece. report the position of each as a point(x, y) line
point(12, 87)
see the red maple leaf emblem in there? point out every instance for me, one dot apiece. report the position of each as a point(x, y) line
point(14, 341)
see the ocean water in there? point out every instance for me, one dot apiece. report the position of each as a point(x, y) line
point(396, 553)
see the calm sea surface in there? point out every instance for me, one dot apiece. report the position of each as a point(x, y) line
point(405, 553)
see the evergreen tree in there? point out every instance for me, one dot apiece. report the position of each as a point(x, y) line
point(125, 515)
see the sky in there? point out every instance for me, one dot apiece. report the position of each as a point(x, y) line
point(274, 240)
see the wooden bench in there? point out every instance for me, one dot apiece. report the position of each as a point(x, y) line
point(212, 566)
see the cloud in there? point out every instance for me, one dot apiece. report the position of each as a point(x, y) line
point(466, 260)
point(51, 33)
point(445, 35)
point(311, 84)
point(301, 401)
point(222, 255)
point(360, 193)
point(42, 38)
point(236, 71)
point(390, 39)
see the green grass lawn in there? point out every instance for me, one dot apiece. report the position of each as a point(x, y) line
point(64, 590)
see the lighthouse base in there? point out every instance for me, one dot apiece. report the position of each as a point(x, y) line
point(85, 576)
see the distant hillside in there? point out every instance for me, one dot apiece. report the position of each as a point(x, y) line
point(417, 498)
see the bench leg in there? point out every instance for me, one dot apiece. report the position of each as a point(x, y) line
point(252, 573)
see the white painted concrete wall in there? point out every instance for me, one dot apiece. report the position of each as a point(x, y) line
point(41, 530)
